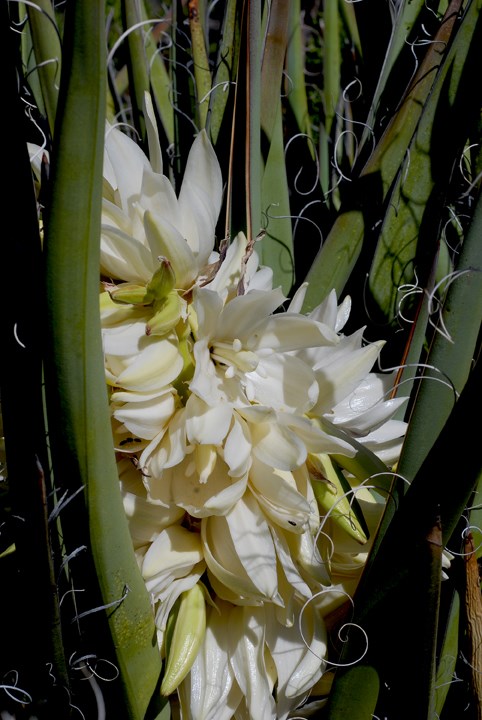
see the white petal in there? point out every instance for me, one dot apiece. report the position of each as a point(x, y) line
point(146, 419)
point(252, 539)
point(299, 654)
point(201, 499)
point(169, 450)
point(127, 339)
point(155, 156)
point(298, 585)
point(340, 378)
point(285, 383)
point(284, 332)
point(175, 548)
point(248, 663)
point(200, 197)
point(237, 448)
point(210, 692)
point(127, 162)
point(155, 367)
point(205, 424)
point(277, 446)
point(165, 240)
point(124, 257)
point(313, 437)
point(169, 595)
point(239, 550)
point(308, 557)
point(224, 564)
point(146, 518)
point(229, 273)
point(277, 493)
point(244, 312)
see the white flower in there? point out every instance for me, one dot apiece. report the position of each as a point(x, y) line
point(228, 407)
point(143, 219)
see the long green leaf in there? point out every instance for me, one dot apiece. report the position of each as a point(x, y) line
point(48, 52)
point(337, 257)
point(32, 650)
point(253, 125)
point(452, 352)
point(448, 655)
point(202, 72)
point(77, 399)
point(275, 249)
point(226, 61)
point(404, 572)
point(137, 63)
point(414, 214)
point(355, 695)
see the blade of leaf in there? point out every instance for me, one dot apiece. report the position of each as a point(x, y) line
point(273, 60)
point(451, 354)
point(406, 14)
point(338, 255)
point(23, 425)
point(77, 394)
point(355, 695)
point(202, 73)
point(226, 61)
point(253, 120)
point(137, 63)
point(414, 214)
point(161, 87)
point(275, 249)
point(448, 655)
point(46, 43)
point(295, 70)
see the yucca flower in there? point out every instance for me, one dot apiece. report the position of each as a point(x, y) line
point(225, 409)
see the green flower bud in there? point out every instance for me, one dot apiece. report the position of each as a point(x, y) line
point(167, 315)
point(129, 293)
point(163, 281)
point(187, 636)
point(330, 493)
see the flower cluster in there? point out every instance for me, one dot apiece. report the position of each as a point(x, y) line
point(228, 407)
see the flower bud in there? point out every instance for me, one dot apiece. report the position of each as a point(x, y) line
point(332, 497)
point(131, 294)
point(163, 281)
point(167, 316)
point(187, 636)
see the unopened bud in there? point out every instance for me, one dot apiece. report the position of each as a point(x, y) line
point(163, 281)
point(132, 294)
point(187, 636)
point(167, 316)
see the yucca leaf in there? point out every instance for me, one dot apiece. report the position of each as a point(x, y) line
point(273, 62)
point(414, 214)
point(48, 52)
point(295, 72)
point(448, 655)
point(451, 354)
point(137, 63)
point(33, 651)
point(331, 62)
point(226, 61)
point(337, 257)
point(253, 119)
point(404, 16)
point(355, 695)
point(202, 73)
point(77, 399)
point(275, 249)
point(404, 569)
point(161, 88)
